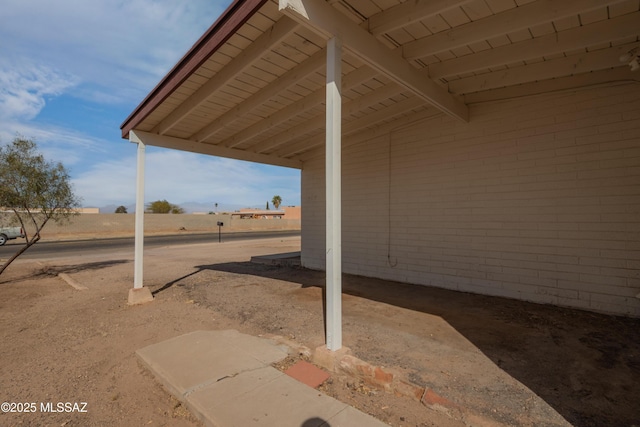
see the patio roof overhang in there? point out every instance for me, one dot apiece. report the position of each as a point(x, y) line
point(253, 86)
point(283, 82)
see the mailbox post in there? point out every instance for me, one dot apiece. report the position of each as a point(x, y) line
point(220, 224)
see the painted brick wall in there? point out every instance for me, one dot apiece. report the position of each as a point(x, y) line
point(536, 198)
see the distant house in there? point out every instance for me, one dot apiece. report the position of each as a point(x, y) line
point(492, 149)
point(249, 213)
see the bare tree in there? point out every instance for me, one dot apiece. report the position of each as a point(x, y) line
point(34, 190)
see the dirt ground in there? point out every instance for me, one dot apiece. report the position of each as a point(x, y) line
point(500, 362)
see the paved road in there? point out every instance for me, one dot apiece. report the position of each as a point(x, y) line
point(79, 247)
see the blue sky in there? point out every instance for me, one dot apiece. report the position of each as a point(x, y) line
point(71, 71)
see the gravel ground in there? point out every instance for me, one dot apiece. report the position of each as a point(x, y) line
point(500, 362)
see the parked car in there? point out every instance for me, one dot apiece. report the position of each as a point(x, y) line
point(10, 233)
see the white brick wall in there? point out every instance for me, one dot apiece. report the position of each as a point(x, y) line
point(536, 198)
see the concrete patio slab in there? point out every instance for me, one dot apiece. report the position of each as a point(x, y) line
point(189, 361)
point(226, 379)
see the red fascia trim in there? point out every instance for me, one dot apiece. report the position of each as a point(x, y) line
point(225, 26)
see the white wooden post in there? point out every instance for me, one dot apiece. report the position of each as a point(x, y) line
point(139, 294)
point(334, 195)
point(139, 233)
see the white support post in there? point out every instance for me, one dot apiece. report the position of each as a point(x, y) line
point(139, 294)
point(139, 228)
point(334, 195)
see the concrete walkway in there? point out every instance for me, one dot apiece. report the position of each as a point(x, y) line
point(226, 379)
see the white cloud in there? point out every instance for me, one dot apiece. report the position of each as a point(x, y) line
point(120, 49)
point(56, 143)
point(101, 57)
point(181, 177)
point(24, 91)
point(24, 88)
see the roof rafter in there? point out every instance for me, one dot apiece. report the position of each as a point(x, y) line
point(312, 64)
point(408, 13)
point(318, 122)
point(352, 127)
point(314, 99)
point(328, 22)
point(620, 74)
point(281, 29)
point(562, 67)
point(522, 17)
point(568, 40)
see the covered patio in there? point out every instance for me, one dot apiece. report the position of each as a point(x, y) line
point(288, 83)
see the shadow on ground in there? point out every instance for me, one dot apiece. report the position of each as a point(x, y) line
point(585, 365)
point(48, 270)
point(89, 266)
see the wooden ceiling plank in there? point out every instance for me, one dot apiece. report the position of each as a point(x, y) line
point(455, 18)
point(591, 61)
point(435, 24)
point(407, 13)
point(498, 6)
point(318, 122)
point(278, 32)
point(310, 101)
point(508, 21)
point(594, 16)
point(275, 119)
point(354, 126)
point(325, 20)
point(623, 8)
point(575, 38)
point(299, 72)
point(477, 9)
point(382, 114)
point(519, 36)
point(563, 83)
point(566, 23)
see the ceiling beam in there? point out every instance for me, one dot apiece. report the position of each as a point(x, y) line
point(318, 122)
point(300, 71)
point(246, 58)
point(407, 13)
point(619, 74)
point(562, 67)
point(563, 41)
point(348, 128)
point(518, 18)
point(299, 107)
point(213, 150)
point(310, 101)
point(323, 19)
